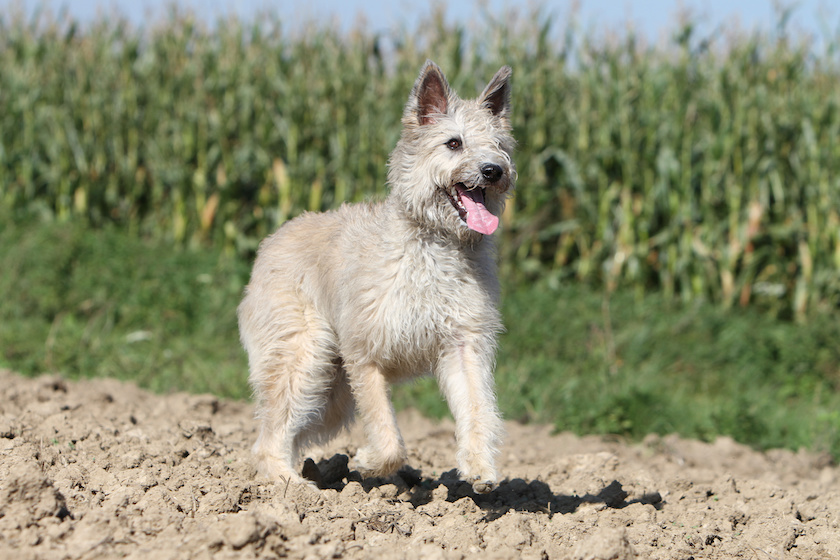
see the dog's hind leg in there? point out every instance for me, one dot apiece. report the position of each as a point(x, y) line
point(292, 358)
point(466, 380)
point(338, 410)
point(385, 451)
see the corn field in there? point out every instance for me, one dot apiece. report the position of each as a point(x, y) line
point(708, 169)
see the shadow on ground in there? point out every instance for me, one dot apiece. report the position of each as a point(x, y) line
point(520, 495)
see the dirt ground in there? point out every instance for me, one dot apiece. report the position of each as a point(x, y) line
point(102, 469)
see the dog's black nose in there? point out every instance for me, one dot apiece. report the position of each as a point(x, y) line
point(491, 172)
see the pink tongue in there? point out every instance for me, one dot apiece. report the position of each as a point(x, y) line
point(478, 217)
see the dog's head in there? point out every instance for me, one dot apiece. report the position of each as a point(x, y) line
point(452, 168)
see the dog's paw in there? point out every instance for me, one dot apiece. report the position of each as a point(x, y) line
point(370, 463)
point(483, 477)
point(482, 485)
point(287, 480)
point(274, 470)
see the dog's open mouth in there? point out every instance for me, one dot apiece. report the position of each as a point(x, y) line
point(469, 202)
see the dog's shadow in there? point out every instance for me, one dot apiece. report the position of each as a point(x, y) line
point(535, 496)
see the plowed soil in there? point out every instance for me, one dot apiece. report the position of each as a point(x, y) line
point(102, 469)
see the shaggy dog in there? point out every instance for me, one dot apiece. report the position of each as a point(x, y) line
point(343, 303)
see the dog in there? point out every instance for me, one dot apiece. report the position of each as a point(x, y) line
point(343, 303)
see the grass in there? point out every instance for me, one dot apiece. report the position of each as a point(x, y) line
point(105, 303)
point(648, 365)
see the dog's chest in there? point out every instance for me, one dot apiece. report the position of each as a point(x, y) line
point(432, 293)
point(422, 301)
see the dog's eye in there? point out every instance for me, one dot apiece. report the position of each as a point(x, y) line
point(453, 143)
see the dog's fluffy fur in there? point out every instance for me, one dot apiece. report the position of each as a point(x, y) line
point(342, 303)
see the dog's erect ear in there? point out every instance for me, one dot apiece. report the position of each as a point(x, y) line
point(430, 95)
point(496, 96)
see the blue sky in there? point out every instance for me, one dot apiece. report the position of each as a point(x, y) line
point(651, 17)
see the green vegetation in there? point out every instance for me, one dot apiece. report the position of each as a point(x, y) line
point(107, 304)
point(704, 168)
point(639, 366)
point(671, 260)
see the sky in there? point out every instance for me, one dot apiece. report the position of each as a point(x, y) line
point(650, 17)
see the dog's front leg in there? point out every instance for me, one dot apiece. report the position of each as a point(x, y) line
point(466, 379)
point(385, 451)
